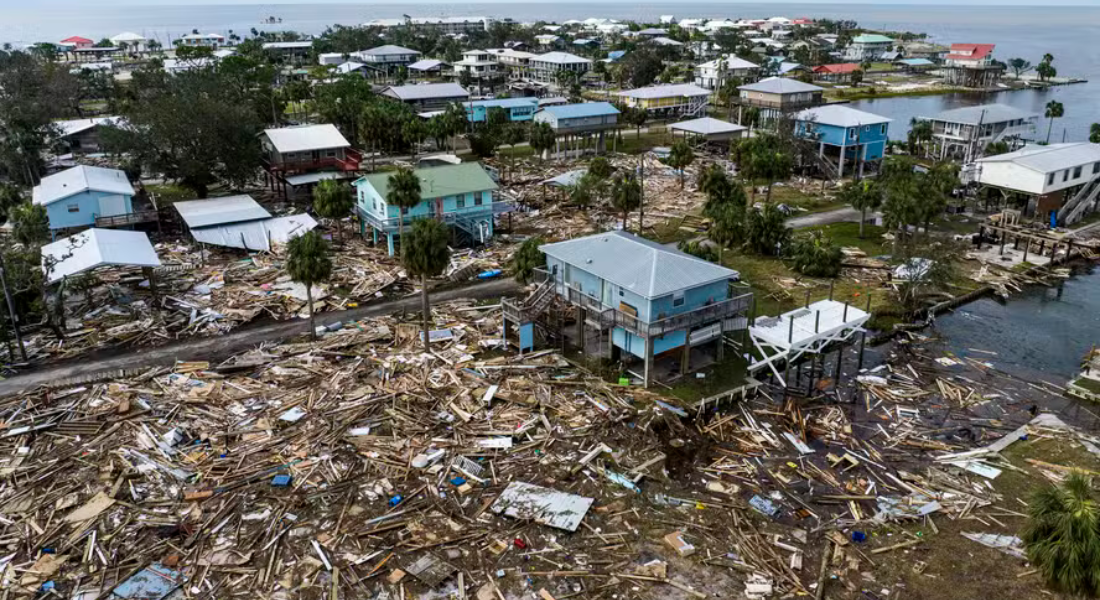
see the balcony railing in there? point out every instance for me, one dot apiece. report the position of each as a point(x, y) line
point(141, 216)
point(784, 106)
point(463, 217)
point(612, 317)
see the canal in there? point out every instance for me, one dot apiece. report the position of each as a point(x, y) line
point(1041, 333)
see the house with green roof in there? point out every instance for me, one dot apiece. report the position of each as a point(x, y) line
point(868, 47)
point(462, 196)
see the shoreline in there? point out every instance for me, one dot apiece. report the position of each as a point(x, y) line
point(942, 91)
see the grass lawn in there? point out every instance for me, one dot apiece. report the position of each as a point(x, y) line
point(718, 377)
point(792, 196)
point(167, 193)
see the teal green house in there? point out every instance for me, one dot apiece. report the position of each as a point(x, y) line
point(462, 196)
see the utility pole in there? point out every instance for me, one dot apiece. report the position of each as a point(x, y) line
point(641, 193)
point(11, 308)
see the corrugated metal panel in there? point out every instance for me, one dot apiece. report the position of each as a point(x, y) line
point(639, 265)
point(306, 137)
point(255, 235)
point(584, 109)
point(220, 211)
point(93, 248)
point(542, 505)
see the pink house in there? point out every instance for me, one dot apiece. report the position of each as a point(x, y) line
point(78, 42)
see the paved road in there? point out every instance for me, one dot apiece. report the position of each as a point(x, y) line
point(219, 348)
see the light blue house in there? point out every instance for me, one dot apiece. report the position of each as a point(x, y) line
point(462, 196)
point(844, 135)
point(75, 198)
point(517, 109)
point(645, 298)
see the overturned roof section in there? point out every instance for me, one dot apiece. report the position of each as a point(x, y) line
point(256, 235)
point(219, 211)
point(637, 264)
point(78, 180)
point(306, 137)
point(94, 248)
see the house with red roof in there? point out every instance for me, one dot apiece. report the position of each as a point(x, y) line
point(970, 55)
point(972, 65)
point(835, 72)
point(77, 42)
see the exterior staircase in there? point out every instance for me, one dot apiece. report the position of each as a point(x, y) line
point(1084, 200)
point(531, 307)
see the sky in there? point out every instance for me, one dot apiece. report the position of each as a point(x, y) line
point(672, 3)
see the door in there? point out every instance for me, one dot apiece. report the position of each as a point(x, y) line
point(110, 206)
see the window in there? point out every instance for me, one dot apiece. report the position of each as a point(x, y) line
point(1077, 172)
point(331, 154)
point(852, 133)
point(404, 210)
point(678, 299)
point(462, 203)
point(73, 207)
point(882, 129)
point(621, 294)
point(478, 199)
point(1095, 168)
point(1050, 179)
point(1065, 175)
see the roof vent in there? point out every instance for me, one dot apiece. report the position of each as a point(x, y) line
point(588, 261)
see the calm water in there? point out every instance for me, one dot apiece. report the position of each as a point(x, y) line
point(1041, 333)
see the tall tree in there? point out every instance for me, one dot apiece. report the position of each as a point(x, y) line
point(30, 225)
point(334, 200)
point(1094, 133)
point(404, 193)
point(426, 255)
point(626, 195)
point(513, 134)
point(542, 138)
point(342, 102)
point(766, 230)
point(863, 196)
point(727, 225)
point(1054, 110)
point(680, 157)
point(192, 127)
point(308, 263)
point(1046, 69)
point(1019, 66)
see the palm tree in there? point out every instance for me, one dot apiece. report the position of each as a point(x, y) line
point(863, 196)
point(626, 195)
point(727, 225)
point(1055, 110)
point(542, 138)
point(920, 131)
point(426, 256)
point(1062, 536)
point(308, 262)
point(816, 255)
point(333, 200)
point(404, 193)
point(527, 259)
point(1094, 133)
point(513, 134)
point(680, 157)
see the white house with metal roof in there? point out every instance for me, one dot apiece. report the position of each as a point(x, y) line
point(645, 298)
point(712, 74)
point(1051, 178)
point(77, 196)
point(709, 129)
point(388, 56)
point(546, 67)
point(964, 133)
